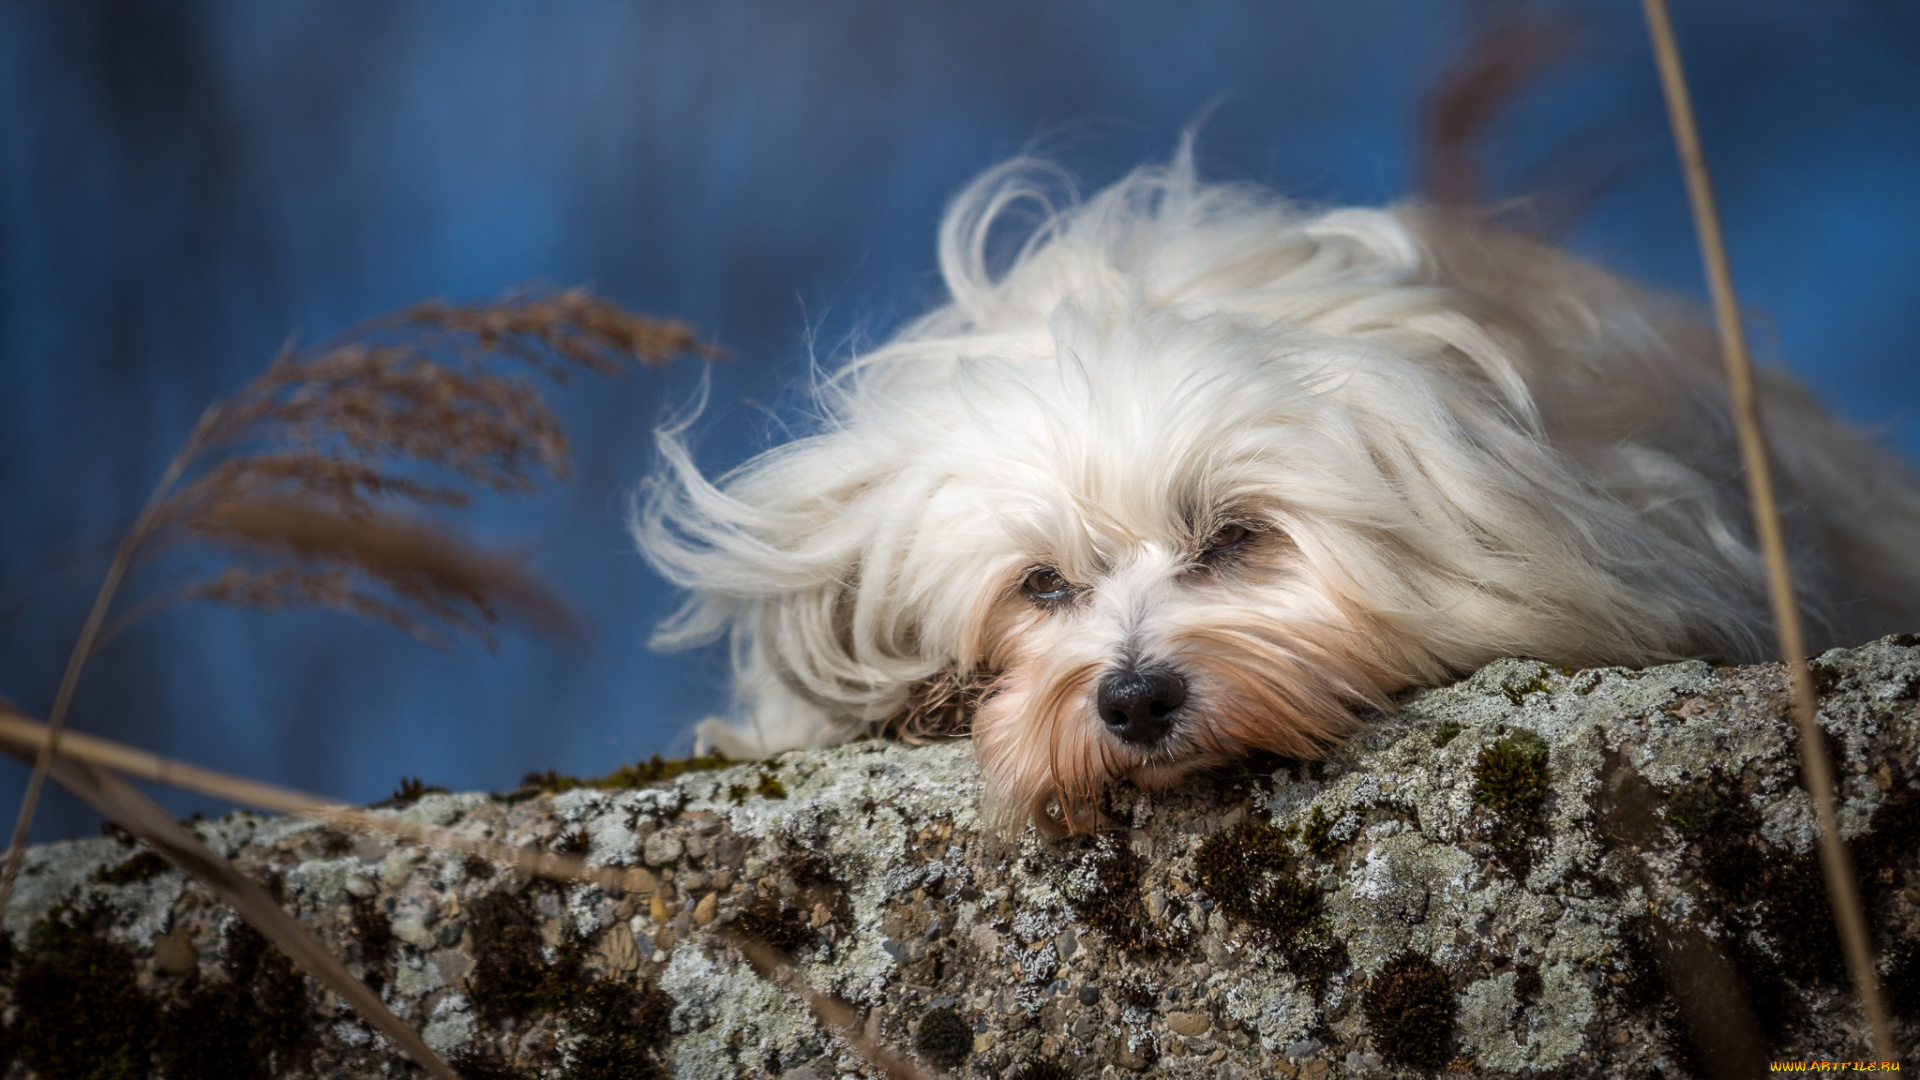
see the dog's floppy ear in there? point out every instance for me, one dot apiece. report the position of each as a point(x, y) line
point(801, 556)
point(937, 708)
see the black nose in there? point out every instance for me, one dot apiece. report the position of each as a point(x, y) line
point(1138, 705)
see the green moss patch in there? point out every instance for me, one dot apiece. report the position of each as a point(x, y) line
point(511, 977)
point(411, 790)
point(619, 1027)
point(1249, 872)
point(142, 867)
point(774, 925)
point(374, 933)
point(639, 774)
point(767, 787)
point(81, 1016)
point(1104, 890)
point(473, 1064)
point(1511, 780)
point(1317, 834)
point(1696, 811)
point(1247, 777)
point(943, 1037)
point(1516, 691)
point(1409, 1006)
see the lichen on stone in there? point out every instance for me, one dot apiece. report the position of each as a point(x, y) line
point(1252, 924)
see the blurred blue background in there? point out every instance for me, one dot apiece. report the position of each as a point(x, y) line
point(183, 184)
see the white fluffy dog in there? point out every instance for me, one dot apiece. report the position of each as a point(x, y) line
point(1200, 473)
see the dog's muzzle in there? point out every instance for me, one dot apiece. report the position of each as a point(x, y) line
point(1138, 705)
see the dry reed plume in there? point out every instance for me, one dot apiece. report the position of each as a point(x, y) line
point(300, 473)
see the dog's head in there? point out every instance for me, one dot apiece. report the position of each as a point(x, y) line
point(1141, 544)
point(1196, 475)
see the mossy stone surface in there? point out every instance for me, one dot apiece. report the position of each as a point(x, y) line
point(1493, 875)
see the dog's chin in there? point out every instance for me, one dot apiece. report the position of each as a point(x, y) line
point(1069, 801)
point(1162, 775)
point(1048, 760)
point(1066, 796)
point(1184, 752)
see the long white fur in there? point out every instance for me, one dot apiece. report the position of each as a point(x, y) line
point(1458, 444)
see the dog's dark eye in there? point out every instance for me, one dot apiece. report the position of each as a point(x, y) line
point(1045, 583)
point(1227, 538)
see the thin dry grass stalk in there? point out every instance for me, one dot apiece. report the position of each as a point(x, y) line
point(1842, 892)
